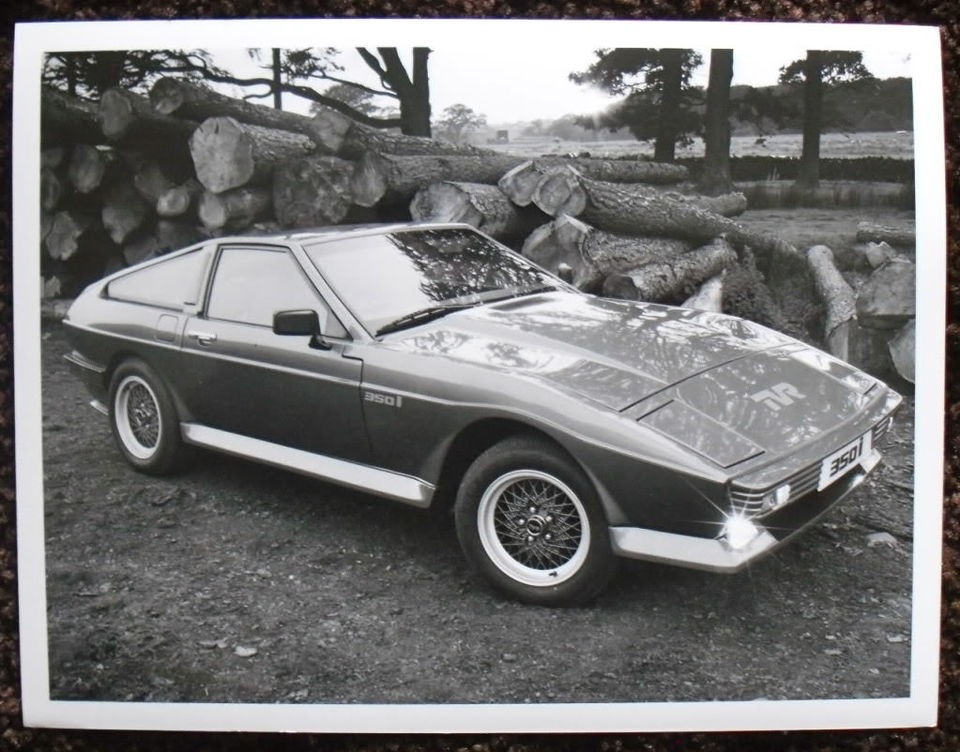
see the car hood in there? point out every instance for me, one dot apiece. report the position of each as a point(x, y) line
point(726, 387)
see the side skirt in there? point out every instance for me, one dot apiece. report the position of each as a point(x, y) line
point(373, 480)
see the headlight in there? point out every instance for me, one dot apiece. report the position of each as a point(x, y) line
point(739, 532)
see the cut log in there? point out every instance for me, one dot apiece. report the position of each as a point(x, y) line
point(674, 277)
point(152, 179)
point(888, 299)
point(480, 205)
point(125, 115)
point(234, 209)
point(124, 211)
point(173, 235)
point(564, 191)
point(167, 235)
point(53, 157)
point(140, 248)
point(839, 300)
point(88, 166)
point(177, 201)
point(312, 192)
point(228, 154)
point(337, 135)
point(51, 189)
point(622, 170)
point(521, 181)
point(46, 222)
point(395, 179)
point(593, 254)
point(174, 96)
point(898, 237)
point(67, 229)
point(67, 120)
point(903, 351)
point(636, 210)
point(709, 297)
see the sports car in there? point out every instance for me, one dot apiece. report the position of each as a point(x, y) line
point(431, 365)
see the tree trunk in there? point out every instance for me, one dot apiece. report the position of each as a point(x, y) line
point(236, 209)
point(480, 205)
point(839, 301)
point(868, 232)
point(177, 201)
point(520, 182)
point(67, 120)
point(124, 211)
point(593, 254)
point(124, 115)
point(312, 192)
point(413, 91)
point(228, 154)
point(275, 70)
point(337, 135)
point(674, 277)
point(394, 179)
point(664, 149)
point(709, 297)
point(171, 96)
point(808, 175)
point(716, 161)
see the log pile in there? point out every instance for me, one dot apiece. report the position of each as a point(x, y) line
point(131, 177)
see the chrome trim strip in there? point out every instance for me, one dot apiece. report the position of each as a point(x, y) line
point(78, 360)
point(710, 554)
point(374, 480)
point(99, 407)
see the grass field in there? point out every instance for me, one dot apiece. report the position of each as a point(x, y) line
point(898, 145)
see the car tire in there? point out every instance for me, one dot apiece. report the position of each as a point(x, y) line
point(530, 522)
point(144, 421)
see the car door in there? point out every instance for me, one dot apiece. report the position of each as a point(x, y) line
point(242, 378)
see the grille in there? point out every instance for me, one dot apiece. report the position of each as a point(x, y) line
point(749, 502)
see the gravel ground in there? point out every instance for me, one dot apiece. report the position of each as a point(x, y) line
point(239, 583)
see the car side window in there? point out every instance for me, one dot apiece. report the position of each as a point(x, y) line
point(251, 284)
point(170, 283)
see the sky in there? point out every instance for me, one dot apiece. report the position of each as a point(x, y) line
point(513, 86)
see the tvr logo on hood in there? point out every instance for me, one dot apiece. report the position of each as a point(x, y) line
point(778, 396)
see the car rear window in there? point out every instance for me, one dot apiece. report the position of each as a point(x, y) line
point(171, 283)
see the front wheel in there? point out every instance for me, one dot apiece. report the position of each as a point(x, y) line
point(143, 419)
point(530, 522)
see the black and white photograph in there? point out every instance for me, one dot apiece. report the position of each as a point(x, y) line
point(478, 375)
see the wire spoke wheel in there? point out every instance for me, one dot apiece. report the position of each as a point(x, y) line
point(137, 416)
point(533, 527)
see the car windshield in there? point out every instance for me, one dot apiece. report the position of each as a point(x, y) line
point(409, 277)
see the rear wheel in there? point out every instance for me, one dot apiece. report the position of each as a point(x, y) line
point(143, 419)
point(529, 520)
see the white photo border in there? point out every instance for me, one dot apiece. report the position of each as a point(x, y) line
point(32, 41)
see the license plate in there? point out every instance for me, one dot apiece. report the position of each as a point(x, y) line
point(843, 460)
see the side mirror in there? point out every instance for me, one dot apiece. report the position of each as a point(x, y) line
point(303, 322)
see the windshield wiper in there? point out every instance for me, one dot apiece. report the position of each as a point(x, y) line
point(519, 292)
point(422, 316)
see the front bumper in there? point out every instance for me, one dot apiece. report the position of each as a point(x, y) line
point(715, 554)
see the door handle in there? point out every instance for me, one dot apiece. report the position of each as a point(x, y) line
point(202, 338)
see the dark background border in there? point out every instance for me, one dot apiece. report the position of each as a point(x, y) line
point(943, 13)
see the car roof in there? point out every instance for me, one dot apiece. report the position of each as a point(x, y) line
point(338, 232)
